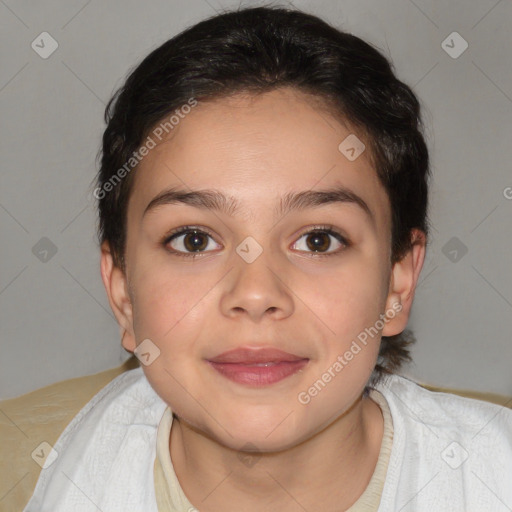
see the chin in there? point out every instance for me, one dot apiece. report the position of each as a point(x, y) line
point(256, 443)
point(265, 431)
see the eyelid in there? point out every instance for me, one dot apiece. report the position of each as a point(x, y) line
point(330, 230)
point(322, 228)
point(184, 230)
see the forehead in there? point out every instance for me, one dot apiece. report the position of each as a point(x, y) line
point(257, 149)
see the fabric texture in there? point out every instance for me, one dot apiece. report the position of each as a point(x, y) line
point(106, 454)
point(448, 452)
point(31, 423)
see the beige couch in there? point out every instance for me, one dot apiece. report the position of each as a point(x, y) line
point(40, 416)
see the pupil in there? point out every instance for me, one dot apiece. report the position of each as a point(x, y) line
point(195, 241)
point(317, 241)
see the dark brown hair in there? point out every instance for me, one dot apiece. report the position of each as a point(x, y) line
point(255, 50)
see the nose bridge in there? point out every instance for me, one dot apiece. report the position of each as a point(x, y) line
point(256, 286)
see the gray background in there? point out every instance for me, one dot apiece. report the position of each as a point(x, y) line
point(54, 315)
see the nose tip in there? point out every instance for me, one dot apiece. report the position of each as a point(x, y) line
point(256, 289)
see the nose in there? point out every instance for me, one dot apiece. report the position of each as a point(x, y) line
point(257, 290)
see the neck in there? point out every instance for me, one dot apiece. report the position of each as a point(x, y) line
point(331, 469)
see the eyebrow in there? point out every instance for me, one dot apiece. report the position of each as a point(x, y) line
point(210, 199)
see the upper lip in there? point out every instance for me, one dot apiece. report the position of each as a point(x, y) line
point(251, 355)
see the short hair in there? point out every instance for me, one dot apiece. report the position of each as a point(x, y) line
point(253, 51)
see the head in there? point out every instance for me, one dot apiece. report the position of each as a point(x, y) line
point(257, 105)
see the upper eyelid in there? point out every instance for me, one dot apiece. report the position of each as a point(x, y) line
point(327, 228)
point(187, 229)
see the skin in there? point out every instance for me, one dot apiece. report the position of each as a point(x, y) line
point(318, 456)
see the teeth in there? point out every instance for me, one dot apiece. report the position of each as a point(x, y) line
point(262, 364)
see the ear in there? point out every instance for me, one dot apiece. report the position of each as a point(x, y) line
point(116, 285)
point(404, 277)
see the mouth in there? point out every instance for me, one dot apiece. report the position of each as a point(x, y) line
point(257, 367)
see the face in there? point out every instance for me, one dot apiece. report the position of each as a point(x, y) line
point(307, 281)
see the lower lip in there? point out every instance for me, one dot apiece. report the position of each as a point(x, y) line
point(258, 376)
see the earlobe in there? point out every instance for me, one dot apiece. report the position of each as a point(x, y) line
point(403, 281)
point(115, 282)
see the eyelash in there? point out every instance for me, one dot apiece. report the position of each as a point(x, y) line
point(328, 229)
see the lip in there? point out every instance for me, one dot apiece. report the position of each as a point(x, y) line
point(248, 355)
point(257, 368)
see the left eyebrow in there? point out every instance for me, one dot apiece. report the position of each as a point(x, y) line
point(209, 199)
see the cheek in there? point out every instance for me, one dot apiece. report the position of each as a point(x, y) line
point(349, 303)
point(350, 298)
point(172, 312)
point(167, 302)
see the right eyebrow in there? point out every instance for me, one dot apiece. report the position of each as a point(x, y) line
point(204, 199)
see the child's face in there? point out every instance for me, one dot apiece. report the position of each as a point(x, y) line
point(257, 150)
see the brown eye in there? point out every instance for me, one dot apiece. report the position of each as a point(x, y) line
point(195, 241)
point(320, 241)
point(189, 241)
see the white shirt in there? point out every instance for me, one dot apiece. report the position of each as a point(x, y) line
point(449, 453)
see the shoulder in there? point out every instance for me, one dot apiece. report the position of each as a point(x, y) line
point(449, 452)
point(109, 445)
point(445, 412)
point(31, 424)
